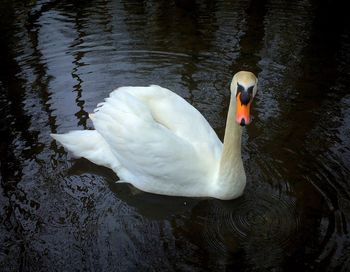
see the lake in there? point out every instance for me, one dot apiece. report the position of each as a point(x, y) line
point(58, 59)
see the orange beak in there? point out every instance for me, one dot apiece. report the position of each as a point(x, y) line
point(242, 112)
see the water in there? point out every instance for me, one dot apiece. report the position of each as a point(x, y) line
point(60, 58)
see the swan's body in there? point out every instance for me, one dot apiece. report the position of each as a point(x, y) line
point(153, 139)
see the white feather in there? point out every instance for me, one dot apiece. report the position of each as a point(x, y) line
point(155, 140)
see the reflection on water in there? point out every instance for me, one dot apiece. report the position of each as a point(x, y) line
point(59, 59)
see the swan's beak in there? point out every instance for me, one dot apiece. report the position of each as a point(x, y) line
point(242, 112)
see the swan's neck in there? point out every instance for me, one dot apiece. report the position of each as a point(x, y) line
point(233, 136)
point(231, 178)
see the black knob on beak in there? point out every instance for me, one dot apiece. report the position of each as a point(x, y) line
point(245, 97)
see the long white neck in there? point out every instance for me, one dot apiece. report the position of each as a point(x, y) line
point(233, 136)
point(231, 176)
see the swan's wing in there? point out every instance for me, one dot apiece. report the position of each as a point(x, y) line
point(90, 145)
point(173, 112)
point(150, 151)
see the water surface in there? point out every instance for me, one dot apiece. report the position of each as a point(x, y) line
point(60, 58)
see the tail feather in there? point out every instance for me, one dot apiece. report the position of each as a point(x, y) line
point(88, 144)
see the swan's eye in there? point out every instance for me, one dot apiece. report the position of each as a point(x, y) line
point(240, 88)
point(250, 90)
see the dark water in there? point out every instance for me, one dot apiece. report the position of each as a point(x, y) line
point(60, 58)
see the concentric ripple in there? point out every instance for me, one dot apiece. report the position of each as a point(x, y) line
point(260, 219)
point(272, 218)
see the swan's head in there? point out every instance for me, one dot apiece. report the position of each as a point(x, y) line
point(243, 88)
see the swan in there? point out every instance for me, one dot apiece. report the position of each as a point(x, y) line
point(156, 141)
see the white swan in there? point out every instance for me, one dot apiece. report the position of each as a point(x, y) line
point(155, 140)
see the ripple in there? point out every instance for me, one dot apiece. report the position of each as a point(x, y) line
point(269, 217)
point(263, 219)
